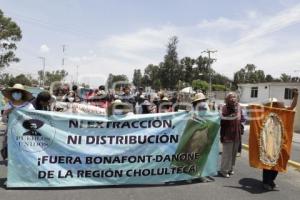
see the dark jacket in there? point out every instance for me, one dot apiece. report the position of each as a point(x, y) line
point(231, 123)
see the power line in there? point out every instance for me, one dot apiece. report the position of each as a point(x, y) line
point(54, 27)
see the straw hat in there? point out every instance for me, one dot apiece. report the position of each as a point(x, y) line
point(199, 97)
point(273, 102)
point(165, 99)
point(27, 96)
point(118, 104)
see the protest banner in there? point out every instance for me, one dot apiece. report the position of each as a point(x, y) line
point(270, 137)
point(80, 108)
point(49, 149)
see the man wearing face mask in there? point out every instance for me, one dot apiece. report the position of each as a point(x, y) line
point(18, 98)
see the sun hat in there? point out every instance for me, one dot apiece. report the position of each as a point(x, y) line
point(165, 99)
point(27, 96)
point(199, 97)
point(273, 102)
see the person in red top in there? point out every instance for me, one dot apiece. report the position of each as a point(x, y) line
point(231, 119)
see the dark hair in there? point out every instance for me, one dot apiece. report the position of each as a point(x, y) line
point(101, 87)
point(74, 87)
point(42, 96)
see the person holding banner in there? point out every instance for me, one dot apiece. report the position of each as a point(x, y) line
point(120, 108)
point(231, 119)
point(18, 98)
point(270, 173)
point(199, 102)
point(43, 101)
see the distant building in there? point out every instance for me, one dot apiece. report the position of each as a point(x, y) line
point(261, 92)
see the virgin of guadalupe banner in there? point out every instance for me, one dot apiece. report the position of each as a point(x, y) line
point(270, 138)
point(49, 149)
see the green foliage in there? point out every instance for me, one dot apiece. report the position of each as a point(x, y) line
point(199, 84)
point(170, 69)
point(174, 74)
point(249, 74)
point(285, 78)
point(137, 78)
point(10, 33)
point(52, 76)
point(269, 78)
point(216, 87)
point(10, 80)
point(114, 79)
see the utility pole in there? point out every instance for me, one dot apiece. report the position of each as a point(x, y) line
point(63, 58)
point(43, 75)
point(209, 65)
point(298, 78)
point(77, 74)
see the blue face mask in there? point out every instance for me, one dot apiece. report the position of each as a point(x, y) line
point(16, 96)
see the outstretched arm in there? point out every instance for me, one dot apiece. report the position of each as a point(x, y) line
point(295, 99)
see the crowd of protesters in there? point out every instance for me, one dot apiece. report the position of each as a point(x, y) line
point(128, 102)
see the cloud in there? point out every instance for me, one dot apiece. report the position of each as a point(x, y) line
point(253, 39)
point(252, 14)
point(269, 25)
point(44, 48)
point(223, 23)
point(270, 42)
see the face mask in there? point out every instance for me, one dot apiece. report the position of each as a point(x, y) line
point(17, 95)
point(202, 106)
point(71, 99)
point(118, 112)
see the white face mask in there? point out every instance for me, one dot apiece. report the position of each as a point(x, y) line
point(202, 106)
point(118, 112)
point(16, 96)
point(71, 99)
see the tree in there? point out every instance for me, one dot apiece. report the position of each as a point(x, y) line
point(53, 76)
point(269, 78)
point(5, 78)
point(187, 65)
point(10, 33)
point(170, 70)
point(217, 87)
point(22, 79)
point(116, 79)
point(137, 78)
point(151, 76)
point(199, 84)
point(285, 78)
point(249, 74)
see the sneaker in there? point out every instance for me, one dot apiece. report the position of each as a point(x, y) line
point(274, 185)
point(224, 175)
point(231, 172)
point(267, 187)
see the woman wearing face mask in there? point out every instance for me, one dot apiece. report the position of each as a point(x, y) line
point(199, 102)
point(18, 98)
point(70, 97)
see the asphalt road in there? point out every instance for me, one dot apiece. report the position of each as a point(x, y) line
point(245, 184)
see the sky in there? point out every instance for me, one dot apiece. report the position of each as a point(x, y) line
point(118, 36)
